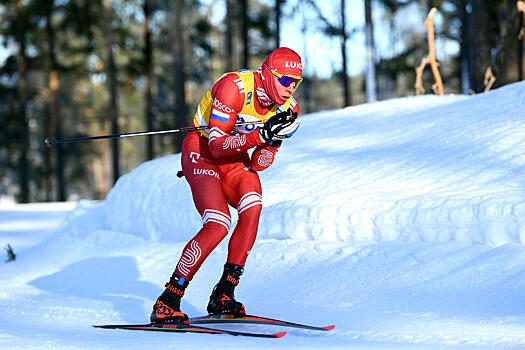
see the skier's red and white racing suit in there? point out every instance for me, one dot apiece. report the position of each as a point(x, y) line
point(219, 170)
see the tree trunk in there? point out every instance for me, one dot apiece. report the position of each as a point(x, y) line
point(245, 29)
point(480, 43)
point(306, 85)
point(370, 54)
point(112, 79)
point(466, 46)
point(229, 37)
point(521, 49)
point(345, 80)
point(178, 68)
point(278, 23)
point(57, 123)
point(23, 163)
point(23, 93)
point(148, 64)
point(54, 104)
point(48, 165)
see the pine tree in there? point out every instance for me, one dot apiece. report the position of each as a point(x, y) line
point(370, 54)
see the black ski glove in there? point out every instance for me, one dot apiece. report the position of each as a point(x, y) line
point(280, 126)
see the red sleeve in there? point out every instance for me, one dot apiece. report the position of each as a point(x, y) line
point(263, 157)
point(228, 99)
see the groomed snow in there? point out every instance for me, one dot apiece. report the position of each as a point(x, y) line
point(401, 222)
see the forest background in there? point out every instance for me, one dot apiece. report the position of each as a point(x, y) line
point(92, 67)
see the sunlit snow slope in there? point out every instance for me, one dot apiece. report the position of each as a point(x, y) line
point(429, 168)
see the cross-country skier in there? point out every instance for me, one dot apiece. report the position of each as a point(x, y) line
point(220, 172)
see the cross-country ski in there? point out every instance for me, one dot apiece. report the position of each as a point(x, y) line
point(179, 328)
point(252, 319)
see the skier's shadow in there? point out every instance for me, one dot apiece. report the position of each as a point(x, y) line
point(115, 280)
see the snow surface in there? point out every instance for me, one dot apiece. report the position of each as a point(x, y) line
point(401, 222)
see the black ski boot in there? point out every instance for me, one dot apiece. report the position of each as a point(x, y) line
point(222, 299)
point(167, 307)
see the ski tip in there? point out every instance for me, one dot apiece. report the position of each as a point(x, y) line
point(279, 335)
point(109, 326)
point(328, 328)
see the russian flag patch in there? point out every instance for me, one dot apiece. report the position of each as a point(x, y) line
point(220, 116)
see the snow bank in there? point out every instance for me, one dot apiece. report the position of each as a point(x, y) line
point(399, 173)
point(152, 202)
point(428, 168)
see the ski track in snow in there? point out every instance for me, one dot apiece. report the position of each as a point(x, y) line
point(401, 222)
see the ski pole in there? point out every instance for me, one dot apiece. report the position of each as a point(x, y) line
point(48, 142)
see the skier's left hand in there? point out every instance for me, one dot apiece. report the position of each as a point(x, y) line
point(281, 126)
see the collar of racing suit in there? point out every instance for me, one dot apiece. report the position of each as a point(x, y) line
point(263, 98)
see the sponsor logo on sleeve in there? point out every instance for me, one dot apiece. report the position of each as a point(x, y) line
point(265, 159)
point(221, 106)
point(194, 157)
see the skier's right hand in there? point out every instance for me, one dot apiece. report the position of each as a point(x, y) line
point(279, 127)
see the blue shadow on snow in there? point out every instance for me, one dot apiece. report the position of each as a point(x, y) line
point(113, 280)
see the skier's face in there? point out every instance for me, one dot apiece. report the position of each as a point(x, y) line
point(285, 92)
